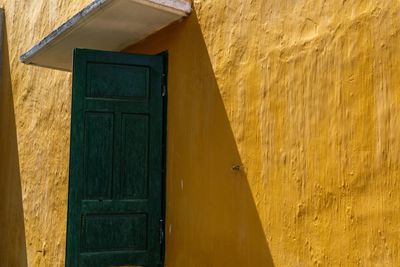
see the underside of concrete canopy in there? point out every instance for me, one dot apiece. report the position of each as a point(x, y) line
point(105, 25)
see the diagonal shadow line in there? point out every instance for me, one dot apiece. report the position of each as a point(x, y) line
point(211, 219)
point(12, 230)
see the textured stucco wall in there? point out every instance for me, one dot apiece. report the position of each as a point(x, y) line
point(310, 106)
point(12, 231)
point(41, 109)
point(211, 216)
point(302, 95)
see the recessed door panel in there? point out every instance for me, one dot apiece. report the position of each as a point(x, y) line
point(114, 232)
point(117, 81)
point(135, 160)
point(98, 163)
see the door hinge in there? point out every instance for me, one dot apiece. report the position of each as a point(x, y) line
point(161, 231)
point(164, 85)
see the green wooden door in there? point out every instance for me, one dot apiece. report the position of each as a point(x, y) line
point(115, 207)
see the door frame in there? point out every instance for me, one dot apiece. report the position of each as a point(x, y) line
point(164, 156)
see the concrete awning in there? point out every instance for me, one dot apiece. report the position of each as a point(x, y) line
point(110, 25)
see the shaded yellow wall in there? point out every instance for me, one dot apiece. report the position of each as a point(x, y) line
point(12, 231)
point(303, 95)
point(211, 217)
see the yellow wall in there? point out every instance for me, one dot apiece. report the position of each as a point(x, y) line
point(302, 94)
point(211, 216)
point(40, 105)
point(306, 95)
point(12, 231)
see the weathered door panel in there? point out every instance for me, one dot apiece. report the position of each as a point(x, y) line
point(115, 191)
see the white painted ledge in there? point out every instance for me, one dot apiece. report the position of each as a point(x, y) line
point(105, 25)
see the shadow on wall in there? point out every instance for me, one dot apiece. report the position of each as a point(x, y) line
point(12, 232)
point(211, 216)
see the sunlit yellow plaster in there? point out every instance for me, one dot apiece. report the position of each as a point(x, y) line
point(310, 92)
